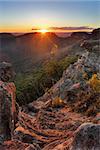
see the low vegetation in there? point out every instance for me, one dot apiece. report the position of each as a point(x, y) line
point(32, 86)
point(95, 83)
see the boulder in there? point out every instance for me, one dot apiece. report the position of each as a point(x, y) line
point(18, 145)
point(7, 102)
point(96, 34)
point(87, 137)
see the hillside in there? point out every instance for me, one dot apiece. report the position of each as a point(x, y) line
point(67, 112)
point(60, 100)
point(31, 49)
point(51, 121)
point(47, 71)
point(28, 50)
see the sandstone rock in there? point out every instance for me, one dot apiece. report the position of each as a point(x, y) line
point(87, 137)
point(33, 147)
point(7, 102)
point(16, 145)
point(91, 45)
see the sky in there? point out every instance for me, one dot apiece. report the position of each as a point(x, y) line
point(58, 15)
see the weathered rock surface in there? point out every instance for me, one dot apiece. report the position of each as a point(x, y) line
point(87, 137)
point(17, 145)
point(7, 101)
point(96, 34)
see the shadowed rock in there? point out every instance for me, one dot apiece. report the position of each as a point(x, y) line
point(7, 101)
point(87, 137)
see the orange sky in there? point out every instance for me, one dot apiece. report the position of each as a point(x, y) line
point(29, 29)
point(22, 16)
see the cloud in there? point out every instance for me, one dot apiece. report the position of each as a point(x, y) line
point(66, 29)
point(35, 29)
point(72, 28)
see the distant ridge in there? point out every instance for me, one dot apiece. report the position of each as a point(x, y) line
point(33, 47)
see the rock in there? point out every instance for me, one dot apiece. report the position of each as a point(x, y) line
point(6, 72)
point(87, 137)
point(50, 127)
point(35, 106)
point(7, 102)
point(91, 45)
point(80, 35)
point(33, 147)
point(96, 34)
point(16, 145)
point(38, 105)
point(73, 88)
point(22, 135)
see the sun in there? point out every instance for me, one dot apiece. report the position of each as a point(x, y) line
point(43, 31)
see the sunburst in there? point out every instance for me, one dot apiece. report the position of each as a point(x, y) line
point(43, 31)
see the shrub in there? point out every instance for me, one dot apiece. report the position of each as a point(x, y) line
point(95, 83)
point(57, 102)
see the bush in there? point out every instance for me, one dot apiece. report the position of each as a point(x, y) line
point(95, 83)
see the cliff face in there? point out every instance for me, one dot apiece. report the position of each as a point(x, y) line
point(55, 120)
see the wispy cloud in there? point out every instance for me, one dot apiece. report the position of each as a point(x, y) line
point(66, 29)
point(72, 28)
point(35, 28)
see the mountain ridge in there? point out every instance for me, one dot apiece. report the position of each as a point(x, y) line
point(30, 48)
point(67, 112)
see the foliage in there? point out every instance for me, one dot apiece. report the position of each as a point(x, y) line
point(32, 86)
point(95, 83)
point(53, 70)
point(64, 63)
point(57, 102)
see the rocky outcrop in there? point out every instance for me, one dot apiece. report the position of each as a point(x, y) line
point(80, 35)
point(17, 145)
point(74, 88)
point(55, 120)
point(96, 34)
point(92, 45)
point(86, 137)
point(7, 102)
point(52, 120)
